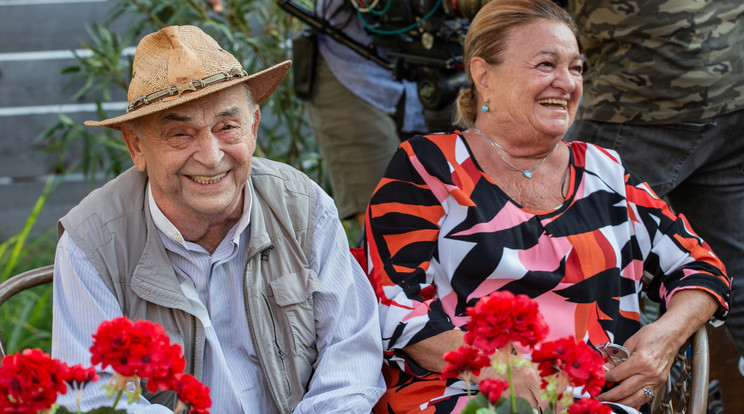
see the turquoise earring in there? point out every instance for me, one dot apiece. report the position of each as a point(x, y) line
point(484, 108)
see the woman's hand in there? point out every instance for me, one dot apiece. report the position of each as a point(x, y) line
point(652, 350)
point(653, 347)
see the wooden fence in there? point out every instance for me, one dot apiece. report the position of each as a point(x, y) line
point(37, 39)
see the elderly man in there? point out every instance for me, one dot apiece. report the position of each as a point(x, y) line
point(241, 259)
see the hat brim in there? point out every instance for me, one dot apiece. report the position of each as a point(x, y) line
point(262, 85)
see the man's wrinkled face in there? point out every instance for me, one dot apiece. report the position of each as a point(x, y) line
point(197, 155)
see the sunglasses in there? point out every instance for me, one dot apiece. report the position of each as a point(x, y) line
point(612, 354)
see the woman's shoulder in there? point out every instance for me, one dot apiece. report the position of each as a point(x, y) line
point(440, 155)
point(436, 138)
point(589, 155)
point(446, 144)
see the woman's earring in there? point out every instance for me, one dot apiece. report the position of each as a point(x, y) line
point(484, 108)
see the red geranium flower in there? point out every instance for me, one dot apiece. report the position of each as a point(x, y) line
point(111, 345)
point(78, 376)
point(492, 389)
point(163, 366)
point(140, 349)
point(30, 381)
point(589, 406)
point(193, 392)
point(502, 317)
point(463, 359)
point(581, 363)
point(528, 327)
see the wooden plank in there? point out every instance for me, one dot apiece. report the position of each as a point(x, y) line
point(21, 156)
point(52, 26)
point(32, 89)
point(28, 83)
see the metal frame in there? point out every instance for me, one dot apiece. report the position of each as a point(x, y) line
point(686, 389)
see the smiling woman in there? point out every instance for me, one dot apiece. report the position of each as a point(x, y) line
point(508, 205)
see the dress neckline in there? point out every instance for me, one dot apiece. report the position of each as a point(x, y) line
point(573, 180)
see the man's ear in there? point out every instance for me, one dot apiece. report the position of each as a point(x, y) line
point(254, 127)
point(134, 145)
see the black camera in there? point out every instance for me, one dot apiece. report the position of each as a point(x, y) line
point(423, 41)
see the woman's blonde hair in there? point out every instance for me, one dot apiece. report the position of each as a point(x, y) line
point(487, 38)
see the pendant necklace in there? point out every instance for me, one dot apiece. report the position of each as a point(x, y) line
point(526, 173)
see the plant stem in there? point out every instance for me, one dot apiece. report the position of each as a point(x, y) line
point(512, 397)
point(467, 382)
point(116, 401)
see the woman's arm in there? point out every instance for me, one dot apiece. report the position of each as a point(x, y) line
point(676, 257)
point(688, 279)
point(654, 346)
point(403, 221)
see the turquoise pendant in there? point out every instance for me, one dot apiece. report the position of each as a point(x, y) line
point(527, 174)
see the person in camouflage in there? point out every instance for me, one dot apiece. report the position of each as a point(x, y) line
point(665, 88)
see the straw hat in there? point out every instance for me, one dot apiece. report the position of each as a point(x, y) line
point(178, 64)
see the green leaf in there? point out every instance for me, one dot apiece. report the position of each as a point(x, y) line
point(474, 404)
point(106, 410)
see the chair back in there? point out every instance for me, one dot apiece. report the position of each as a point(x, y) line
point(18, 283)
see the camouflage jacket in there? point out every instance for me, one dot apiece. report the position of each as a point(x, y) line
point(660, 61)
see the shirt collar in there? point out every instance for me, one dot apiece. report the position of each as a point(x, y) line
point(170, 231)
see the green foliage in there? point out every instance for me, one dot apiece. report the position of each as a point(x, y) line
point(25, 320)
point(256, 32)
point(102, 150)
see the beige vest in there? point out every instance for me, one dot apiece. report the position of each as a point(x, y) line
point(114, 229)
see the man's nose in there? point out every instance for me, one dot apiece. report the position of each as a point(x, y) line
point(209, 150)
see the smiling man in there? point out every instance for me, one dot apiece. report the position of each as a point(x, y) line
point(242, 260)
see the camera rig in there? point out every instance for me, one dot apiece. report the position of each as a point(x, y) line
point(423, 43)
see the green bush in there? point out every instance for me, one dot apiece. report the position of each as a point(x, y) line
point(25, 320)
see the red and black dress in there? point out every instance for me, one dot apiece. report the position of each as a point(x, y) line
point(441, 234)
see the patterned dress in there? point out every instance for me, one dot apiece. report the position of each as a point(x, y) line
point(441, 234)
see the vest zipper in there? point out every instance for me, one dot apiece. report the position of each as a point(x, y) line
point(263, 251)
point(282, 354)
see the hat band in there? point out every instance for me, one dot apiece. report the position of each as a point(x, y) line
point(193, 85)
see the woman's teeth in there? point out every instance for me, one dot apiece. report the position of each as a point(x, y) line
point(551, 101)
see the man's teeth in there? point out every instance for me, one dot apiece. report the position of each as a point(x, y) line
point(551, 101)
point(207, 180)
